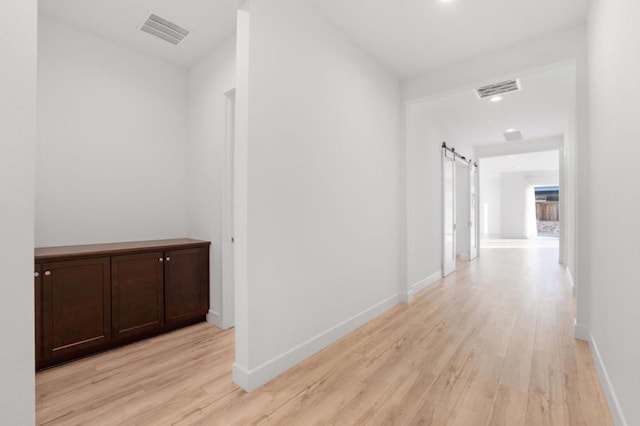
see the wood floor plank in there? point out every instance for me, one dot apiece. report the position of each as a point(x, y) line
point(546, 396)
point(509, 407)
point(405, 401)
point(517, 368)
point(500, 336)
point(482, 388)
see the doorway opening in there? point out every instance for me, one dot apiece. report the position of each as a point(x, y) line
point(520, 199)
point(547, 200)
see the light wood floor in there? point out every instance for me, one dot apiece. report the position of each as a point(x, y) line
point(490, 345)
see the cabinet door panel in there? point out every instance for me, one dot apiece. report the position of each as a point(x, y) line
point(186, 284)
point(137, 294)
point(77, 306)
point(37, 292)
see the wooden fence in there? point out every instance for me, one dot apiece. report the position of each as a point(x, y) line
point(547, 211)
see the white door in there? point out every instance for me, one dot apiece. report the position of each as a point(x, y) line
point(473, 213)
point(448, 213)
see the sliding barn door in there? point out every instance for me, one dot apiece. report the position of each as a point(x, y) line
point(448, 212)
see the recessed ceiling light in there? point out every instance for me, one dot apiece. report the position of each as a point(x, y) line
point(496, 99)
point(512, 135)
point(489, 121)
point(511, 156)
point(446, 1)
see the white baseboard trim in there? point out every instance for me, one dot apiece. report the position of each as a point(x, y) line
point(251, 379)
point(581, 332)
point(612, 399)
point(214, 318)
point(419, 286)
point(240, 377)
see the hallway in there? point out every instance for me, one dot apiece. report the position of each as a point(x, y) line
point(490, 345)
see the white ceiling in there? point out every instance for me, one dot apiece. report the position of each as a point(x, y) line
point(209, 21)
point(540, 109)
point(535, 161)
point(411, 37)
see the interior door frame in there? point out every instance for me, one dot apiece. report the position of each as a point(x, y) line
point(474, 214)
point(227, 245)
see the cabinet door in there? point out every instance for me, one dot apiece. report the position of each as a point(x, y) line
point(37, 293)
point(77, 307)
point(186, 283)
point(137, 294)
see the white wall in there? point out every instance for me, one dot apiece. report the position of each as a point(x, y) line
point(323, 223)
point(527, 146)
point(490, 204)
point(111, 156)
point(18, 24)
point(513, 205)
point(424, 196)
point(514, 201)
point(208, 81)
point(240, 201)
point(614, 92)
point(582, 175)
point(568, 193)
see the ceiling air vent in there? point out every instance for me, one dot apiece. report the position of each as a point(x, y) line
point(166, 30)
point(513, 136)
point(498, 88)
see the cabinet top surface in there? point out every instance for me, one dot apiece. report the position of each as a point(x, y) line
point(45, 253)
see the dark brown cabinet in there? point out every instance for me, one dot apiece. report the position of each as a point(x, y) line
point(94, 297)
point(184, 274)
point(76, 306)
point(138, 294)
point(37, 293)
